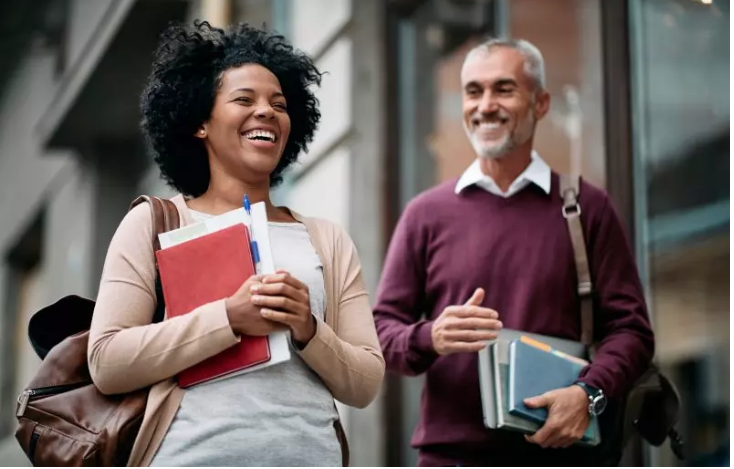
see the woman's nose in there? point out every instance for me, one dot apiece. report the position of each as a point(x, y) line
point(265, 112)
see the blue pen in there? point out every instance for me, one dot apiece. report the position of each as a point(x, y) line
point(253, 243)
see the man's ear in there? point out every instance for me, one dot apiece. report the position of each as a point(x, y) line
point(201, 132)
point(542, 104)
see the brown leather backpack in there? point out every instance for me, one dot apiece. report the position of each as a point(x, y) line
point(652, 408)
point(64, 420)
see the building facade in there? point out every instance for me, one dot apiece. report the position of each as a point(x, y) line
point(638, 107)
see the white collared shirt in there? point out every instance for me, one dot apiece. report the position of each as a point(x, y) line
point(538, 172)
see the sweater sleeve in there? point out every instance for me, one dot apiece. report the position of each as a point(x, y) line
point(625, 341)
point(126, 352)
point(405, 336)
point(348, 359)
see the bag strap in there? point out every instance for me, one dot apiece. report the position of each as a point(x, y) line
point(165, 218)
point(569, 187)
point(164, 214)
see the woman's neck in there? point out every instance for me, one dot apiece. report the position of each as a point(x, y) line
point(226, 194)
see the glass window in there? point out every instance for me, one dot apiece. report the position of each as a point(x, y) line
point(433, 147)
point(567, 32)
point(680, 65)
point(432, 42)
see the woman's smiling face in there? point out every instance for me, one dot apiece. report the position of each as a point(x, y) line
point(249, 124)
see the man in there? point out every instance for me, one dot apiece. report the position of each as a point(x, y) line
point(492, 250)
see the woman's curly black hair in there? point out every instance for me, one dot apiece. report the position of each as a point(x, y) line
point(181, 88)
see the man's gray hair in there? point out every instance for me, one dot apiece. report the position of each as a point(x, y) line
point(534, 63)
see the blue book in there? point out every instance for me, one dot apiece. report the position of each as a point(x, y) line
point(534, 372)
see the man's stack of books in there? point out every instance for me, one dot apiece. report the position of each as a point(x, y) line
point(518, 366)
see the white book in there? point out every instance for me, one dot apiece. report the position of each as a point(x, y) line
point(486, 386)
point(279, 341)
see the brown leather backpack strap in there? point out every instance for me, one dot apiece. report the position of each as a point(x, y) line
point(569, 188)
point(164, 214)
point(165, 218)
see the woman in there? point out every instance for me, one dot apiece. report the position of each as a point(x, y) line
point(225, 113)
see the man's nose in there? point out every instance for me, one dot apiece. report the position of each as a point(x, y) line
point(488, 104)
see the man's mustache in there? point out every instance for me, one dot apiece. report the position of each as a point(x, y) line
point(491, 116)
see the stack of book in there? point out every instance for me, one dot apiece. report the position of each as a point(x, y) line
point(518, 366)
point(209, 261)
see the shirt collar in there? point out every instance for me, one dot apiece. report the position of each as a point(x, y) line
point(537, 172)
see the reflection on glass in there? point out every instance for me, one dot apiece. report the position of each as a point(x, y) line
point(681, 99)
point(567, 32)
point(571, 137)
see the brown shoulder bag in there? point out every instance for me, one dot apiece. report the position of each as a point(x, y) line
point(64, 420)
point(652, 407)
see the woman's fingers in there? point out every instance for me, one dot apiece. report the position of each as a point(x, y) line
point(281, 303)
point(282, 276)
point(280, 289)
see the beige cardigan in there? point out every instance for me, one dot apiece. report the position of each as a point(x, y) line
point(127, 352)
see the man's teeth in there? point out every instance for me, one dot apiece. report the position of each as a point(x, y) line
point(489, 125)
point(259, 134)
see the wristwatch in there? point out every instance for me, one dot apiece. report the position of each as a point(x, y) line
point(597, 399)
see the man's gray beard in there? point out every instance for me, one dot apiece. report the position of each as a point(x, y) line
point(495, 152)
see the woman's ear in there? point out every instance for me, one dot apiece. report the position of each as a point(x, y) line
point(200, 132)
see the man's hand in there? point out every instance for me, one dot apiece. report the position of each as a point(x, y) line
point(465, 328)
point(568, 417)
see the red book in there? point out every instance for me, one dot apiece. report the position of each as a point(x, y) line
point(206, 269)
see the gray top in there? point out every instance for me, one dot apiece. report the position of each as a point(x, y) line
point(282, 415)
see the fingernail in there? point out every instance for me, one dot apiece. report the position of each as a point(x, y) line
point(499, 324)
point(256, 299)
point(264, 312)
point(255, 288)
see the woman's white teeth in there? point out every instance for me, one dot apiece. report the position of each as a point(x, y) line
point(259, 135)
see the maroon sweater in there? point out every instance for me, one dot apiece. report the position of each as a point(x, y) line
point(518, 249)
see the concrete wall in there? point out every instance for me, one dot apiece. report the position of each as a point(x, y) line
point(34, 180)
point(65, 268)
point(31, 179)
point(84, 18)
point(25, 175)
point(25, 170)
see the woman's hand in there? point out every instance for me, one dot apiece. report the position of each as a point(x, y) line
point(244, 316)
point(285, 299)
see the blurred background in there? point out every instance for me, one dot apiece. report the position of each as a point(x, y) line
point(640, 106)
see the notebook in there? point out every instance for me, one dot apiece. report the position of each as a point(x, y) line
point(534, 371)
point(280, 350)
point(500, 368)
point(206, 269)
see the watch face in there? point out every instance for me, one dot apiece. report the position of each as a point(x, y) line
point(597, 405)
